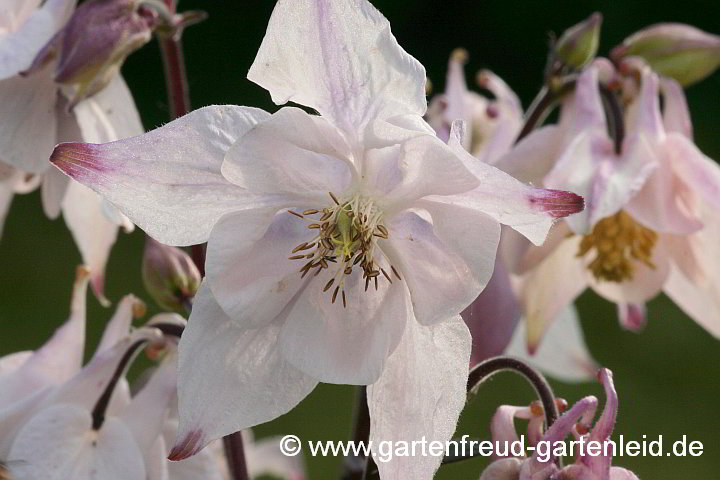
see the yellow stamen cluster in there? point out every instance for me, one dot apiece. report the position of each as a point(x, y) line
point(345, 237)
point(618, 241)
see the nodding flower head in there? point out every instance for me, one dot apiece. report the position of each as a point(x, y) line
point(95, 42)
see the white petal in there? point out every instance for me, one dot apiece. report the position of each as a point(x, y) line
point(552, 286)
point(340, 59)
point(699, 302)
point(71, 449)
point(108, 115)
point(345, 345)
point(145, 416)
point(29, 104)
point(93, 233)
point(53, 188)
point(562, 354)
point(119, 325)
point(291, 153)
point(8, 176)
point(446, 264)
point(529, 210)
point(58, 360)
point(19, 48)
point(230, 378)
point(699, 172)
point(534, 156)
point(204, 465)
point(420, 394)
point(247, 263)
point(591, 168)
point(167, 181)
point(676, 114)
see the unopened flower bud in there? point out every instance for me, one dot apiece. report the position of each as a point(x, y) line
point(170, 276)
point(578, 45)
point(675, 50)
point(95, 42)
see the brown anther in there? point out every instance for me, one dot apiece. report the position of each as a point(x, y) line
point(367, 283)
point(359, 257)
point(302, 246)
point(395, 272)
point(332, 195)
point(348, 270)
point(314, 226)
point(295, 213)
point(335, 294)
point(344, 300)
point(536, 409)
point(296, 257)
point(327, 215)
point(386, 275)
point(383, 230)
point(328, 285)
point(311, 211)
point(376, 283)
point(327, 244)
point(373, 273)
point(323, 263)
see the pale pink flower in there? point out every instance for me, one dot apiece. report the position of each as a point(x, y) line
point(35, 120)
point(390, 233)
point(577, 421)
point(648, 225)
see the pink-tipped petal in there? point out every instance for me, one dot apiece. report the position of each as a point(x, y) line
point(167, 181)
point(632, 316)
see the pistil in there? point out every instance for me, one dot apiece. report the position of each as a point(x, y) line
point(346, 237)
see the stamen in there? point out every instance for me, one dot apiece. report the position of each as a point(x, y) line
point(395, 272)
point(314, 226)
point(332, 195)
point(296, 257)
point(312, 211)
point(328, 285)
point(335, 293)
point(344, 300)
point(295, 213)
point(619, 242)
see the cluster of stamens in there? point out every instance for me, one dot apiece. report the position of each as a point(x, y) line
point(345, 239)
point(619, 241)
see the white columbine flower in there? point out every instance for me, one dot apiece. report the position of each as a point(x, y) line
point(341, 247)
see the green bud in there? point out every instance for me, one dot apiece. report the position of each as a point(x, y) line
point(170, 276)
point(675, 50)
point(578, 45)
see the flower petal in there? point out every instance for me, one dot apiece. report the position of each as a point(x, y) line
point(534, 156)
point(291, 153)
point(205, 465)
point(420, 394)
point(549, 288)
point(342, 344)
point(19, 48)
point(94, 235)
point(108, 115)
point(646, 281)
point(247, 263)
point(493, 315)
point(230, 377)
point(119, 325)
point(700, 173)
point(29, 106)
point(676, 114)
point(698, 301)
point(529, 210)
point(562, 354)
point(340, 59)
point(167, 181)
point(71, 449)
point(446, 263)
point(632, 316)
point(591, 168)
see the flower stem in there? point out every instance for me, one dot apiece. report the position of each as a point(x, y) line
point(614, 115)
point(355, 465)
point(545, 101)
point(235, 454)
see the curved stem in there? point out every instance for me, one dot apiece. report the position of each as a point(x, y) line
point(543, 104)
point(355, 466)
point(614, 115)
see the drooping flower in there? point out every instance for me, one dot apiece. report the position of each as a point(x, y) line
point(170, 276)
point(576, 421)
point(648, 205)
point(35, 118)
point(341, 247)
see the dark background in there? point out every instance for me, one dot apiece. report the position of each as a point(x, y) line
point(667, 377)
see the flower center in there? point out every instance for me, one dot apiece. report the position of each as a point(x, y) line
point(619, 241)
point(346, 238)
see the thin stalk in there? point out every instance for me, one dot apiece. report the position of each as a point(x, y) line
point(614, 115)
point(545, 101)
point(355, 465)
